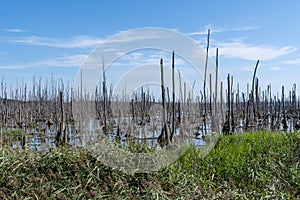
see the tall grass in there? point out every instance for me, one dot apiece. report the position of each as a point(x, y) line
point(246, 166)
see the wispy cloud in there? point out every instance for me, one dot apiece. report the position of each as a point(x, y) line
point(133, 56)
point(220, 29)
point(85, 41)
point(72, 43)
point(15, 30)
point(146, 58)
point(64, 61)
point(275, 69)
point(239, 49)
point(295, 61)
point(246, 69)
point(141, 34)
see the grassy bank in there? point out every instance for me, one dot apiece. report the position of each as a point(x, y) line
point(247, 166)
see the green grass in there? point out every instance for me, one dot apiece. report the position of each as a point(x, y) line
point(13, 132)
point(247, 166)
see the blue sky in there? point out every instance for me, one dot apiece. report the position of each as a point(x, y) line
point(53, 38)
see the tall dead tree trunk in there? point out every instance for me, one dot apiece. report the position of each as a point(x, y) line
point(180, 104)
point(227, 125)
point(165, 119)
point(252, 91)
point(173, 97)
point(204, 84)
point(104, 91)
point(216, 86)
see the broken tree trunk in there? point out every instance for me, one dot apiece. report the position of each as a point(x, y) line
point(59, 135)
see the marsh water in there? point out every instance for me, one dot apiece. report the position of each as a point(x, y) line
point(45, 139)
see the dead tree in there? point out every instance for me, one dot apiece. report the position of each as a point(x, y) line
point(204, 84)
point(173, 97)
point(61, 132)
point(164, 111)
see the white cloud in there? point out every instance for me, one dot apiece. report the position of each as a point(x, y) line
point(16, 66)
point(247, 69)
point(73, 43)
point(85, 41)
point(238, 49)
point(219, 29)
point(275, 69)
point(132, 56)
point(15, 30)
point(65, 61)
point(296, 61)
point(144, 58)
point(139, 35)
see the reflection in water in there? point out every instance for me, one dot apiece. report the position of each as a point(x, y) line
point(146, 134)
point(141, 135)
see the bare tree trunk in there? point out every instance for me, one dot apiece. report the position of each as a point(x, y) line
point(221, 103)
point(216, 87)
point(204, 84)
point(232, 106)
point(165, 120)
point(252, 91)
point(228, 128)
point(104, 90)
point(60, 133)
point(173, 97)
point(284, 122)
point(210, 95)
point(180, 109)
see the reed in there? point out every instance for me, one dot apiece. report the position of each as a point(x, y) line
point(261, 164)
